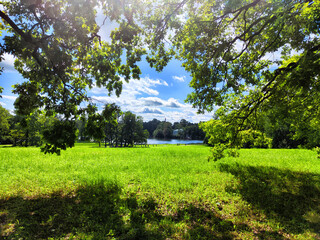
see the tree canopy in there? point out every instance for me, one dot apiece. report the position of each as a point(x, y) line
point(252, 62)
point(243, 56)
point(252, 49)
point(246, 57)
point(61, 55)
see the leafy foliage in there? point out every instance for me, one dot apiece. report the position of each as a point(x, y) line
point(60, 135)
point(95, 127)
point(243, 56)
point(164, 130)
point(182, 129)
point(116, 128)
point(247, 57)
point(60, 53)
point(27, 130)
point(131, 129)
point(254, 138)
point(4, 123)
point(151, 126)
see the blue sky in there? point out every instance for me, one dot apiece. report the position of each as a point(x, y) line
point(155, 95)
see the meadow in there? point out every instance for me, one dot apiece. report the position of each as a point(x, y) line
point(160, 192)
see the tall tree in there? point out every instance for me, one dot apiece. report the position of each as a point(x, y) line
point(111, 114)
point(60, 53)
point(28, 130)
point(128, 122)
point(95, 127)
point(81, 126)
point(140, 135)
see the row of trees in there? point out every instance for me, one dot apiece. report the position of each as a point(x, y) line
point(289, 124)
point(21, 130)
point(113, 127)
point(180, 130)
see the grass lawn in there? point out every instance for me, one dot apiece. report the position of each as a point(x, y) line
point(162, 192)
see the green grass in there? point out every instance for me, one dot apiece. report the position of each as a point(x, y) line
point(163, 192)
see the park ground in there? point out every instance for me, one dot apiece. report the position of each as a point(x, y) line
point(160, 192)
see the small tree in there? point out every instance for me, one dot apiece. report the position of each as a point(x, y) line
point(4, 124)
point(140, 135)
point(129, 128)
point(95, 127)
point(111, 114)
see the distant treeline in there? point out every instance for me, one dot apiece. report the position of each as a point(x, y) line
point(179, 130)
point(116, 128)
point(20, 130)
point(111, 127)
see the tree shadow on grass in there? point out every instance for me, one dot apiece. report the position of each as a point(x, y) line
point(100, 211)
point(206, 224)
point(93, 211)
point(290, 198)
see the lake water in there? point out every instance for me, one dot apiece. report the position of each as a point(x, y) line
point(173, 141)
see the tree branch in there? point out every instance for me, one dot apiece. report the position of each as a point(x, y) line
point(267, 89)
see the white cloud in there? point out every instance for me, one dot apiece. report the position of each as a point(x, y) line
point(179, 78)
point(144, 85)
point(148, 107)
point(135, 87)
point(151, 101)
point(172, 110)
point(107, 99)
point(239, 45)
point(152, 110)
point(176, 116)
point(2, 104)
point(155, 101)
point(173, 103)
point(8, 62)
point(97, 90)
point(12, 98)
